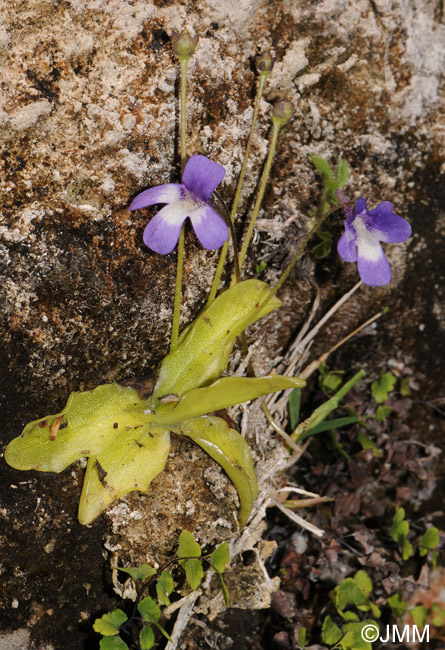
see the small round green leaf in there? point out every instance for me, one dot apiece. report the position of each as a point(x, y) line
point(149, 610)
point(146, 638)
point(139, 573)
point(419, 615)
point(220, 557)
point(164, 587)
point(430, 539)
point(362, 579)
point(109, 624)
point(348, 593)
point(112, 643)
point(187, 546)
point(194, 573)
point(397, 604)
point(330, 632)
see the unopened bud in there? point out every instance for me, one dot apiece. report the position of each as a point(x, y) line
point(264, 63)
point(183, 44)
point(282, 112)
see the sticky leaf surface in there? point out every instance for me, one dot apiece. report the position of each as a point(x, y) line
point(223, 393)
point(203, 352)
point(130, 463)
point(86, 426)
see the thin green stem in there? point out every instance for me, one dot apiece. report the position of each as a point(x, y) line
point(239, 187)
point(180, 259)
point(183, 131)
point(273, 145)
point(178, 292)
point(300, 249)
point(297, 255)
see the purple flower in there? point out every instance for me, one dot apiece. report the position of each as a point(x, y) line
point(191, 198)
point(364, 230)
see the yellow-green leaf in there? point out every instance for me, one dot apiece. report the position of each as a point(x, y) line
point(228, 448)
point(330, 632)
point(204, 348)
point(397, 604)
point(130, 463)
point(86, 426)
point(223, 393)
point(380, 389)
point(348, 593)
point(429, 540)
point(419, 615)
point(362, 579)
point(149, 610)
point(112, 643)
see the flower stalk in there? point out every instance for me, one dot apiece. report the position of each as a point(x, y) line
point(183, 93)
point(178, 292)
point(281, 115)
point(183, 46)
point(264, 66)
point(298, 254)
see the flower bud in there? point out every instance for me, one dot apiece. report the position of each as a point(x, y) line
point(183, 44)
point(264, 63)
point(282, 112)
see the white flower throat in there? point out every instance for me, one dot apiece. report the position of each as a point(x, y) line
point(368, 241)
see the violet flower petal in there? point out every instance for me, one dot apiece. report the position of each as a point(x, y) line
point(209, 226)
point(167, 193)
point(162, 232)
point(373, 267)
point(347, 244)
point(201, 176)
point(391, 228)
point(360, 206)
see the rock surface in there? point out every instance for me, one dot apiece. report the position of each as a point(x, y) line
point(88, 118)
